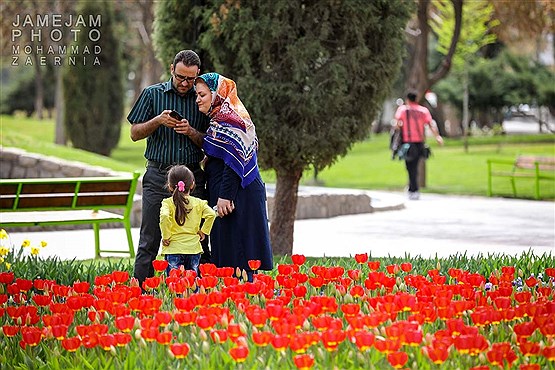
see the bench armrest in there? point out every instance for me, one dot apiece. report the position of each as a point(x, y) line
point(501, 161)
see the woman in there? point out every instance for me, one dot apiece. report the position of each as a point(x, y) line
point(233, 180)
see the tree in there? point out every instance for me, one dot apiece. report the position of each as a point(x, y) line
point(38, 41)
point(313, 76)
point(93, 87)
point(477, 23)
point(178, 26)
point(420, 78)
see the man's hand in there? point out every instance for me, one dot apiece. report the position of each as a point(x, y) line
point(201, 235)
point(224, 207)
point(439, 140)
point(167, 120)
point(165, 242)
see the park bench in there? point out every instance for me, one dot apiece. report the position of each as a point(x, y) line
point(525, 166)
point(70, 201)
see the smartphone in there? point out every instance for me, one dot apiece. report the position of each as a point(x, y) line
point(176, 115)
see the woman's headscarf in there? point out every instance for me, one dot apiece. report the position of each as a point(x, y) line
point(231, 135)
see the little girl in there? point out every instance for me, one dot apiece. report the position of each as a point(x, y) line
point(180, 219)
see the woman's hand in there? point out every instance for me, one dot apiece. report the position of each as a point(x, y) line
point(165, 242)
point(224, 207)
point(201, 235)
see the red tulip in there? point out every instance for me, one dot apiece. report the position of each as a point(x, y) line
point(206, 322)
point(549, 353)
point(529, 348)
point(164, 338)
point(350, 309)
point(239, 353)
point(160, 265)
point(531, 282)
point(42, 300)
point(7, 277)
point(300, 291)
point(262, 338)
point(218, 335)
point(150, 334)
point(207, 269)
point(529, 367)
point(180, 350)
point(254, 264)
point(10, 330)
point(364, 340)
point(331, 338)
point(280, 342)
point(125, 323)
point(397, 359)
point(361, 258)
point(437, 352)
point(31, 335)
point(298, 259)
point(374, 265)
point(162, 318)
point(525, 329)
point(81, 287)
point(59, 331)
point(406, 266)
point(71, 344)
point(120, 277)
point(122, 338)
point(303, 362)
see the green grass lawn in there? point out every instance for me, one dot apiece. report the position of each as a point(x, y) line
point(367, 166)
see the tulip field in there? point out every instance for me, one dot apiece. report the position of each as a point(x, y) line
point(361, 313)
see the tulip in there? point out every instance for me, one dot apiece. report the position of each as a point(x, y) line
point(549, 353)
point(397, 359)
point(364, 340)
point(254, 264)
point(304, 361)
point(239, 353)
point(438, 353)
point(298, 259)
point(529, 348)
point(31, 335)
point(180, 350)
point(71, 344)
point(262, 338)
point(361, 258)
point(10, 330)
point(160, 265)
point(164, 338)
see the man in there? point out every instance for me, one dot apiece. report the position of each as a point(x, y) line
point(169, 141)
point(411, 119)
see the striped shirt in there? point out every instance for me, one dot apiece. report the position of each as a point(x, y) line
point(164, 145)
point(414, 118)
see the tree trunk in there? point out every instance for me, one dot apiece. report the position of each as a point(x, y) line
point(418, 72)
point(60, 136)
point(39, 88)
point(465, 120)
point(419, 78)
point(421, 173)
point(283, 215)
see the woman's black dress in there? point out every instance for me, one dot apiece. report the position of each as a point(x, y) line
point(244, 234)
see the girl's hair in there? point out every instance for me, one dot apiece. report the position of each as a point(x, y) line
point(180, 182)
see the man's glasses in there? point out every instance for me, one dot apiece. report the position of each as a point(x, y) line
point(180, 78)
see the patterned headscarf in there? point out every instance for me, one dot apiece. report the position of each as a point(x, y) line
point(231, 135)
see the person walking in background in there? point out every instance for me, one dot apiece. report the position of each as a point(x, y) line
point(411, 118)
point(233, 180)
point(169, 141)
point(180, 221)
